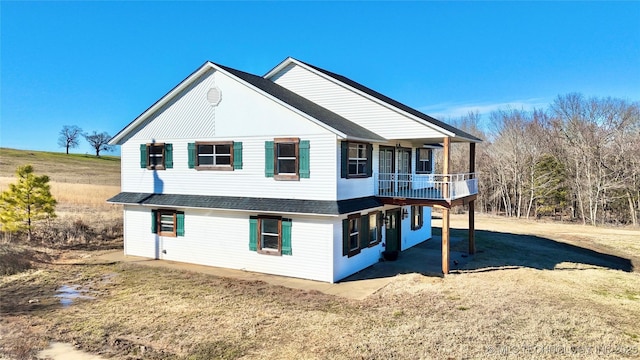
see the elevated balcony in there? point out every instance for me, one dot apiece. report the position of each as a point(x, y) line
point(429, 188)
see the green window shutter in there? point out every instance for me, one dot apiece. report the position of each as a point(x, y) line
point(268, 159)
point(345, 237)
point(180, 224)
point(304, 159)
point(143, 156)
point(369, 160)
point(253, 234)
point(154, 222)
point(286, 237)
point(168, 156)
point(344, 159)
point(191, 149)
point(237, 155)
point(364, 231)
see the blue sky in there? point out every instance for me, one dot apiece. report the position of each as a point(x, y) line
point(100, 64)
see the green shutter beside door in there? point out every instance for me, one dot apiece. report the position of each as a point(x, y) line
point(143, 156)
point(180, 224)
point(304, 159)
point(286, 237)
point(168, 156)
point(268, 158)
point(253, 234)
point(237, 155)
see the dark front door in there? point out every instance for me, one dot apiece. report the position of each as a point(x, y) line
point(393, 230)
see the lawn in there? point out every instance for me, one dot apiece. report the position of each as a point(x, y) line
point(500, 305)
point(534, 290)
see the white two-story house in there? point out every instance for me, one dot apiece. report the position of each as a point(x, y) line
point(300, 172)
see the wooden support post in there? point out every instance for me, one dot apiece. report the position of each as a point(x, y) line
point(446, 162)
point(472, 213)
point(445, 241)
point(472, 228)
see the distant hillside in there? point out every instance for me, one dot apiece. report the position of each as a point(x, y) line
point(72, 168)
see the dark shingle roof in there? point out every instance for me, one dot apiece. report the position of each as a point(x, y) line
point(320, 207)
point(308, 107)
point(394, 103)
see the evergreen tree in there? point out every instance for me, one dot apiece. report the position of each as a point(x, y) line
point(26, 202)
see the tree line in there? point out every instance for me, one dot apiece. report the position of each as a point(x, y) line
point(579, 159)
point(69, 137)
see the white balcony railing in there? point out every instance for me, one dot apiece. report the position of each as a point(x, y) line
point(426, 186)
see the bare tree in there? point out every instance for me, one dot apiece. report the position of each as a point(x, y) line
point(69, 137)
point(594, 132)
point(99, 141)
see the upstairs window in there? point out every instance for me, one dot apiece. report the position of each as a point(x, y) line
point(156, 156)
point(287, 159)
point(215, 155)
point(424, 165)
point(356, 160)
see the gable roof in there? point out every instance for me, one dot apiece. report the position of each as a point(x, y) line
point(378, 96)
point(329, 118)
point(312, 111)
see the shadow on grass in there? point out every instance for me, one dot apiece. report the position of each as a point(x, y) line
point(505, 250)
point(494, 251)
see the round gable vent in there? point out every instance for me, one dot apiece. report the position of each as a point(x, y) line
point(214, 95)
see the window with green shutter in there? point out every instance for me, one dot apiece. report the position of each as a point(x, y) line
point(156, 156)
point(287, 159)
point(270, 235)
point(225, 155)
point(167, 222)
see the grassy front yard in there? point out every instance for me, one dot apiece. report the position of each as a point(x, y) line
point(525, 310)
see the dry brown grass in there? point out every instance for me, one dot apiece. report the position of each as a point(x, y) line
point(534, 291)
point(570, 310)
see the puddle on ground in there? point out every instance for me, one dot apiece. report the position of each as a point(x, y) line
point(68, 293)
point(63, 351)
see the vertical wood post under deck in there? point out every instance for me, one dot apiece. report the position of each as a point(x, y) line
point(445, 241)
point(445, 211)
point(472, 213)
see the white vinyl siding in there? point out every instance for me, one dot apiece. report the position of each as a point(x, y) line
point(190, 116)
point(249, 181)
point(219, 238)
point(410, 237)
point(355, 107)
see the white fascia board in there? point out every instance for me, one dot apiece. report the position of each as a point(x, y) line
point(161, 102)
point(290, 60)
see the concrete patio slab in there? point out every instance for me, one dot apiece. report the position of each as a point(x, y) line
point(424, 258)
